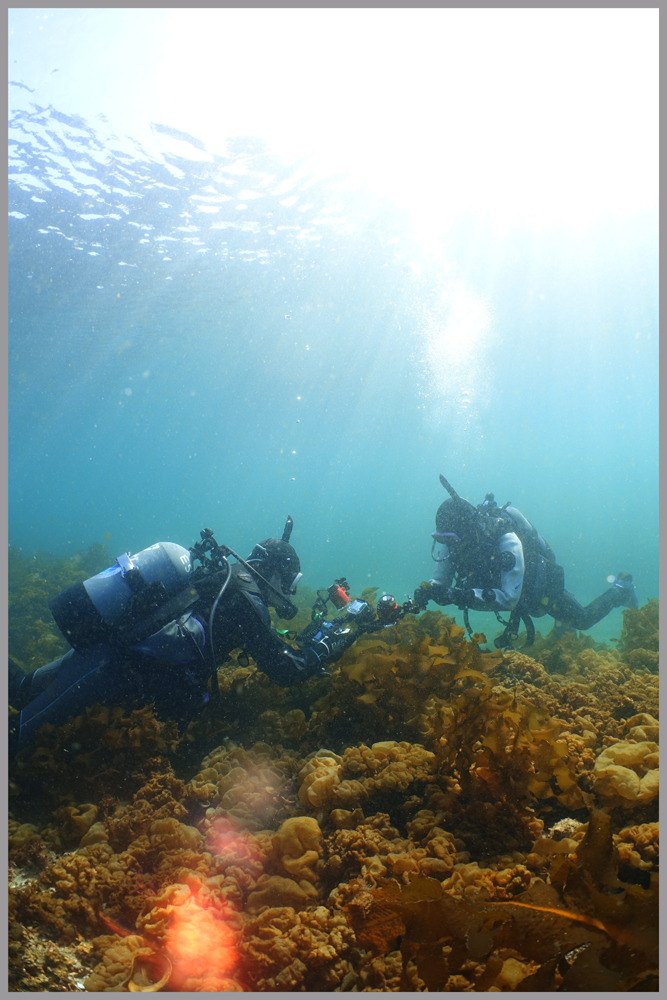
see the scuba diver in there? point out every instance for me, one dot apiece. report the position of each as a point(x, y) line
point(153, 628)
point(501, 563)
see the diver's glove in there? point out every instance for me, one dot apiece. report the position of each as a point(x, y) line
point(313, 665)
point(325, 641)
point(337, 644)
point(326, 645)
point(441, 595)
point(422, 596)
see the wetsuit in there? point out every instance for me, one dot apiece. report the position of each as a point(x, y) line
point(170, 668)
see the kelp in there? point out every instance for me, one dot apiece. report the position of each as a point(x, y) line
point(639, 640)
point(387, 686)
point(558, 653)
point(104, 750)
point(509, 746)
point(382, 829)
point(637, 645)
point(612, 939)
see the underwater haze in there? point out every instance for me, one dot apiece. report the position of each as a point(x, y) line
point(219, 338)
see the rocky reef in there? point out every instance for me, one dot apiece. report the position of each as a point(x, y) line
point(432, 817)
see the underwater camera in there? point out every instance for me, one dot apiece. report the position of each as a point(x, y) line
point(388, 611)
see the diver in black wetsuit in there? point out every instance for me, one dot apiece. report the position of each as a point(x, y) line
point(500, 563)
point(153, 628)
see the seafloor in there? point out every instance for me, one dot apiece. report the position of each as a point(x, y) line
point(433, 817)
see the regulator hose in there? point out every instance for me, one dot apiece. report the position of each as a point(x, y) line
point(216, 686)
point(258, 576)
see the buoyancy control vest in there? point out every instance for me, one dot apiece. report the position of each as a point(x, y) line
point(478, 562)
point(538, 556)
point(542, 579)
point(539, 577)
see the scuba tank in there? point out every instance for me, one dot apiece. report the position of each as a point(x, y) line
point(541, 574)
point(130, 600)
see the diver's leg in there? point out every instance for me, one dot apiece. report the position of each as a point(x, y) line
point(38, 681)
point(16, 679)
point(77, 680)
point(566, 609)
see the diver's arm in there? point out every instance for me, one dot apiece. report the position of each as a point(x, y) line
point(507, 596)
point(281, 663)
point(439, 586)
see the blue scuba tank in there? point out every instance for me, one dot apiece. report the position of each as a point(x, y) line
point(128, 601)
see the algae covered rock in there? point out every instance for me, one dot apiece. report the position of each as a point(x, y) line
point(420, 825)
point(629, 772)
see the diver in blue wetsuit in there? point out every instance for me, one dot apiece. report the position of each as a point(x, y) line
point(154, 627)
point(498, 562)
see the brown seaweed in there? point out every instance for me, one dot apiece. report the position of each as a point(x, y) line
point(432, 821)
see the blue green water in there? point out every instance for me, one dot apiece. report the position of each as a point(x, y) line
point(199, 340)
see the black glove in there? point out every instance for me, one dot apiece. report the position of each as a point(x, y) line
point(313, 666)
point(421, 597)
point(461, 598)
point(505, 640)
point(435, 592)
point(327, 644)
point(326, 641)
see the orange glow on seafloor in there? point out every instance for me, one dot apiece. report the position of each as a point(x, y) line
point(200, 942)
